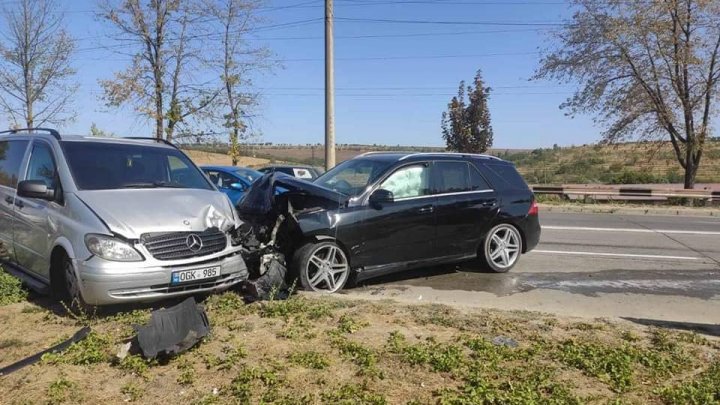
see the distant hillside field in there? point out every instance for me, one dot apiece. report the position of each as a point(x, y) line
point(222, 159)
point(628, 163)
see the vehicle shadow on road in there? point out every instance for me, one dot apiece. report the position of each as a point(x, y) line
point(424, 273)
point(704, 328)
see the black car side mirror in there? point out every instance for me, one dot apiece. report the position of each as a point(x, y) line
point(380, 197)
point(35, 189)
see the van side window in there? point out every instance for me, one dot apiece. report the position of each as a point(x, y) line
point(409, 181)
point(42, 165)
point(11, 156)
point(453, 177)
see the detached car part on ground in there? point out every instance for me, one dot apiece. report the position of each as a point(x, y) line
point(387, 212)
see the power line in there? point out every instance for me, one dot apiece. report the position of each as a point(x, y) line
point(133, 41)
point(411, 35)
point(440, 22)
point(407, 57)
point(452, 86)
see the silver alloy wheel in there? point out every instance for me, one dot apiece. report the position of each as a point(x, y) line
point(327, 269)
point(504, 247)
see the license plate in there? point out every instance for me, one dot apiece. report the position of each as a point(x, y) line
point(186, 276)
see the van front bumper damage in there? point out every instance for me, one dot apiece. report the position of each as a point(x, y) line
point(105, 282)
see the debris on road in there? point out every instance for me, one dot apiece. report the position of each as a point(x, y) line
point(504, 341)
point(272, 283)
point(173, 330)
point(78, 336)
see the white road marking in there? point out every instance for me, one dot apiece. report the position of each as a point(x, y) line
point(562, 252)
point(638, 230)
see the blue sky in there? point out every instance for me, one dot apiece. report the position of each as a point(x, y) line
point(393, 79)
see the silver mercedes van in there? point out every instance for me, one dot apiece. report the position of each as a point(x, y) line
point(110, 220)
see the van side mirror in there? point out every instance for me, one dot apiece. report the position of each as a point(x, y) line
point(35, 189)
point(380, 197)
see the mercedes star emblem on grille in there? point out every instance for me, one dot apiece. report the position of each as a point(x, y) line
point(194, 242)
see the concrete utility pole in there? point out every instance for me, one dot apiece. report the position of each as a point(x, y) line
point(329, 88)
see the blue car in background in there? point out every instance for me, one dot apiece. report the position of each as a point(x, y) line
point(232, 180)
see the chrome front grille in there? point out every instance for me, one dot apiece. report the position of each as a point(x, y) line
point(184, 245)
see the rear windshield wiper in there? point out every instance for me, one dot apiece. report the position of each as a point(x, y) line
point(155, 184)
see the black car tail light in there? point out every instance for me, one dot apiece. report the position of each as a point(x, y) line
point(533, 208)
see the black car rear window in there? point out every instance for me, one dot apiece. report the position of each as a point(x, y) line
point(503, 176)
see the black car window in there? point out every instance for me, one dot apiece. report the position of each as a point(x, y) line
point(477, 181)
point(42, 165)
point(408, 181)
point(452, 177)
point(11, 156)
point(352, 177)
point(504, 176)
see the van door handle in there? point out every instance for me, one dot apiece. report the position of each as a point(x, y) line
point(426, 210)
point(9, 200)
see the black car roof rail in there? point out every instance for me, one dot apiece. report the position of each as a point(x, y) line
point(52, 132)
point(149, 138)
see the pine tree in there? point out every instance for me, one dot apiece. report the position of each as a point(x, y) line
point(466, 125)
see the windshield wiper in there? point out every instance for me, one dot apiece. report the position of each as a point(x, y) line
point(155, 184)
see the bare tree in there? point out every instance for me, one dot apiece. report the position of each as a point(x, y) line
point(162, 81)
point(234, 62)
point(647, 69)
point(35, 70)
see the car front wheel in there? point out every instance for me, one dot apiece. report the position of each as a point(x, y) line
point(322, 267)
point(502, 248)
point(72, 290)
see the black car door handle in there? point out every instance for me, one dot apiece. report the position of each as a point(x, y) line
point(426, 210)
point(19, 204)
point(488, 203)
point(9, 200)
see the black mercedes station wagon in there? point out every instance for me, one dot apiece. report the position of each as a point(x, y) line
point(386, 212)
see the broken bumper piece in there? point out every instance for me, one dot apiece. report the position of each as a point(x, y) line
point(173, 330)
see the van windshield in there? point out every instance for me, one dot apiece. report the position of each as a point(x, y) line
point(111, 166)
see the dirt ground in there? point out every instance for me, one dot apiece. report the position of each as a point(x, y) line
point(219, 159)
point(317, 349)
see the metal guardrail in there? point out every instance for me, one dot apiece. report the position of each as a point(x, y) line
point(626, 193)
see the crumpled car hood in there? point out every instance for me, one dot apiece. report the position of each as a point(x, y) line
point(260, 199)
point(133, 212)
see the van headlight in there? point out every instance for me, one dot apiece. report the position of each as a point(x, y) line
point(110, 248)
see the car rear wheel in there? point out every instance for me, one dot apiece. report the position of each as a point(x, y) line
point(322, 267)
point(502, 248)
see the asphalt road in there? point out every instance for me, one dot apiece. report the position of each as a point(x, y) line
point(647, 268)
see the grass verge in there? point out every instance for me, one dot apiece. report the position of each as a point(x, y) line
point(313, 350)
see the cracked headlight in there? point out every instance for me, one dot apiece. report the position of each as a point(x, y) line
point(110, 248)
